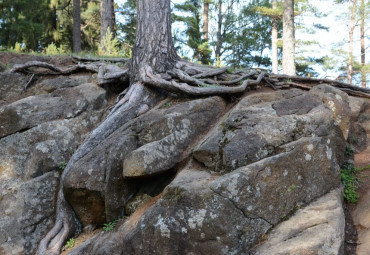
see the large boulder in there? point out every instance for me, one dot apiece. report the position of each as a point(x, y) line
point(149, 145)
point(259, 124)
point(338, 103)
point(11, 85)
point(61, 104)
point(167, 133)
point(38, 135)
point(359, 123)
point(315, 229)
point(266, 158)
point(27, 212)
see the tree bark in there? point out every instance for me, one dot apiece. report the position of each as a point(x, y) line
point(274, 40)
point(351, 31)
point(363, 60)
point(113, 18)
point(106, 7)
point(288, 38)
point(205, 19)
point(76, 26)
point(154, 45)
point(219, 33)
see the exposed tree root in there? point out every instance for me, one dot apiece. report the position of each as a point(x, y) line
point(106, 73)
point(29, 81)
point(193, 79)
point(235, 81)
point(111, 73)
point(65, 227)
point(111, 60)
point(149, 78)
point(55, 69)
point(334, 83)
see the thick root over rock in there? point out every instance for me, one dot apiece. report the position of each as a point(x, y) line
point(193, 79)
point(137, 101)
point(66, 226)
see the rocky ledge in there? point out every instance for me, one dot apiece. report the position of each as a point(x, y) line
point(190, 176)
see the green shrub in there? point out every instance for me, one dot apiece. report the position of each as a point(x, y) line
point(349, 176)
point(109, 46)
point(70, 243)
point(109, 226)
point(52, 49)
point(18, 47)
point(349, 150)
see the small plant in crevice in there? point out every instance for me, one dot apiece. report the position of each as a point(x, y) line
point(349, 150)
point(350, 181)
point(70, 243)
point(109, 226)
point(62, 165)
point(363, 168)
point(167, 104)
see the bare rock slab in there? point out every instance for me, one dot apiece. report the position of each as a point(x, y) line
point(259, 124)
point(317, 229)
point(172, 130)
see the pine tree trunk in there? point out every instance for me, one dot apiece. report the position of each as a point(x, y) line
point(106, 7)
point(219, 33)
point(154, 45)
point(351, 31)
point(362, 16)
point(288, 38)
point(205, 19)
point(274, 40)
point(76, 26)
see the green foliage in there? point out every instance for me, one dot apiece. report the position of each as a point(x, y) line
point(52, 49)
point(128, 26)
point(62, 165)
point(167, 105)
point(70, 243)
point(90, 25)
point(246, 35)
point(22, 21)
point(350, 181)
point(363, 168)
point(109, 45)
point(18, 47)
point(292, 187)
point(109, 226)
point(349, 150)
point(190, 17)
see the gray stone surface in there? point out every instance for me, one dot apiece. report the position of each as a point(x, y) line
point(169, 135)
point(61, 104)
point(358, 106)
point(38, 134)
point(317, 229)
point(27, 211)
point(11, 85)
point(152, 144)
point(258, 125)
point(195, 176)
point(338, 103)
point(227, 214)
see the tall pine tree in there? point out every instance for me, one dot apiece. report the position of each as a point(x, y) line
point(195, 39)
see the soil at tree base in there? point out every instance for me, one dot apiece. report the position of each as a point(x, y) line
point(357, 239)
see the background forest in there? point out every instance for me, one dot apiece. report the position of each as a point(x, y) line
point(235, 33)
